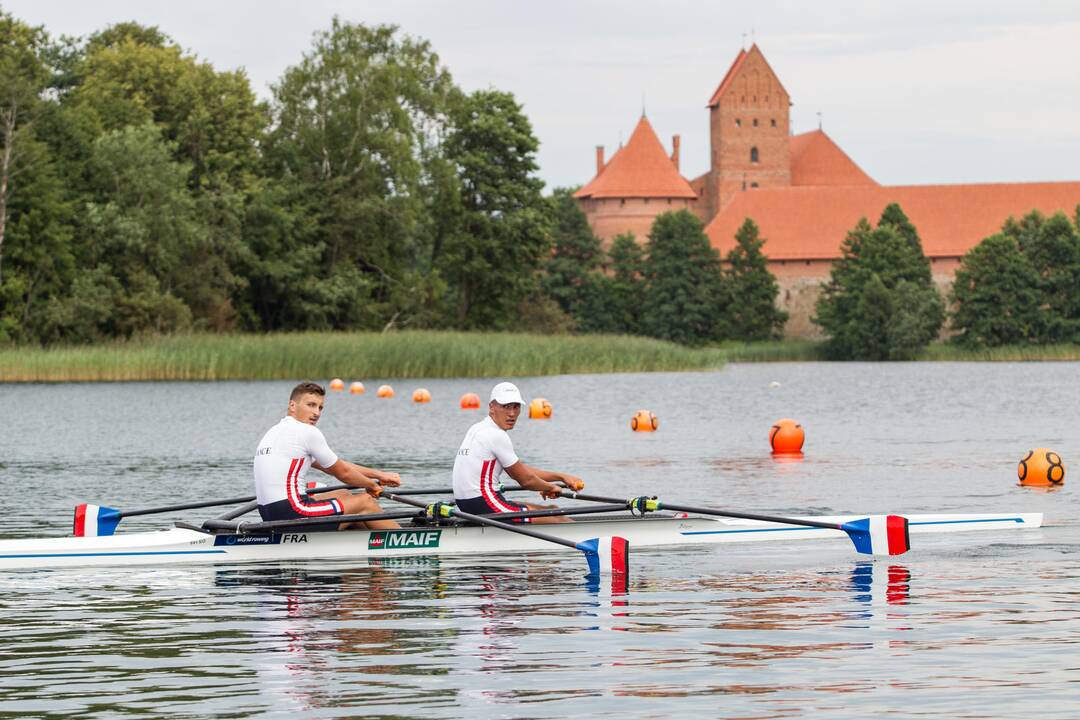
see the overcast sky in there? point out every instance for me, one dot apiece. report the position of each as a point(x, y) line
point(916, 92)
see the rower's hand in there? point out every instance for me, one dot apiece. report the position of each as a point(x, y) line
point(551, 492)
point(375, 490)
point(389, 479)
point(574, 483)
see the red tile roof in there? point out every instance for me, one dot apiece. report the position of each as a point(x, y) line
point(733, 71)
point(817, 160)
point(640, 169)
point(806, 223)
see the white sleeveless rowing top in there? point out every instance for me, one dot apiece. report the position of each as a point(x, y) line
point(480, 460)
point(283, 458)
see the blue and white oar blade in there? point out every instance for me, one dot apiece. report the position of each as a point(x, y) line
point(93, 520)
point(607, 556)
point(879, 534)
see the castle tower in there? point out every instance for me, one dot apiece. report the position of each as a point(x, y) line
point(749, 129)
point(639, 182)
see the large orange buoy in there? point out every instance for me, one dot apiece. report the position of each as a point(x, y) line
point(385, 391)
point(786, 437)
point(539, 409)
point(644, 421)
point(421, 395)
point(1041, 468)
point(470, 401)
point(337, 384)
point(356, 388)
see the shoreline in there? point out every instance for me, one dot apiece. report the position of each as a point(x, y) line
point(428, 354)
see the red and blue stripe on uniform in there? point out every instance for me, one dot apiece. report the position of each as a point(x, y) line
point(292, 491)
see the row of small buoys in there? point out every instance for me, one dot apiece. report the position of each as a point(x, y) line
point(356, 388)
point(384, 391)
point(337, 384)
point(540, 409)
point(1041, 468)
point(421, 395)
point(470, 401)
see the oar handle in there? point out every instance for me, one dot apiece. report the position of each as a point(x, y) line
point(660, 505)
point(481, 520)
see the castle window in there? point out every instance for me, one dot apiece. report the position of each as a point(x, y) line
point(753, 184)
point(738, 122)
point(622, 202)
point(753, 155)
point(669, 201)
point(755, 122)
point(774, 122)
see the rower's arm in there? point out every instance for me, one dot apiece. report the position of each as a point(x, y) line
point(543, 481)
point(361, 477)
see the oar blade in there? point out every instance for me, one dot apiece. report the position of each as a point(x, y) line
point(879, 534)
point(608, 556)
point(94, 520)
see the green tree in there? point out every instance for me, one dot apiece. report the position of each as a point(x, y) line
point(995, 295)
point(572, 270)
point(1052, 246)
point(752, 313)
point(491, 262)
point(23, 78)
point(851, 306)
point(615, 298)
point(685, 296)
point(353, 124)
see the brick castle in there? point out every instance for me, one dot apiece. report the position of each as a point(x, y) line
point(802, 190)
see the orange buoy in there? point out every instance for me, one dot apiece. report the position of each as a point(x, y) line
point(421, 395)
point(786, 437)
point(356, 388)
point(337, 384)
point(470, 401)
point(644, 421)
point(1041, 468)
point(539, 409)
point(385, 391)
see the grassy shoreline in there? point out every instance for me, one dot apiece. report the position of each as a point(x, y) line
point(350, 355)
point(422, 354)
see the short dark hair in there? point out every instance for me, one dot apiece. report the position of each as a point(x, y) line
point(304, 388)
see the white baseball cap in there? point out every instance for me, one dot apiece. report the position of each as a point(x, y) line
point(505, 393)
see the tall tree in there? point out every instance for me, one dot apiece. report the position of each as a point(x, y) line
point(492, 260)
point(685, 296)
point(1052, 246)
point(995, 294)
point(752, 312)
point(851, 305)
point(571, 272)
point(351, 124)
point(23, 77)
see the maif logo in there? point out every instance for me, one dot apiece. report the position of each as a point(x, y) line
point(403, 539)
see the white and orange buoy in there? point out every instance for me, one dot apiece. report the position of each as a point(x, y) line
point(644, 421)
point(421, 395)
point(356, 388)
point(540, 409)
point(337, 384)
point(470, 401)
point(1041, 467)
point(385, 391)
point(787, 437)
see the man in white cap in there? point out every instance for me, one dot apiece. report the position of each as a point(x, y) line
point(486, 451)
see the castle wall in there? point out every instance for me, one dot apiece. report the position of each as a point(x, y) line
point(609, 217)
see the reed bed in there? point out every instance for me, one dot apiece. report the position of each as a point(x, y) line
point(944, 352)
point(773, 351)
point(326, 354)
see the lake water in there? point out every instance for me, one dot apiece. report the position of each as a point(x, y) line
point(970, 625)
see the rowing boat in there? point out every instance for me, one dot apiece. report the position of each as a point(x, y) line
point(190, 544)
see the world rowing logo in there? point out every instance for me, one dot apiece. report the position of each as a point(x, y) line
point(403, 539)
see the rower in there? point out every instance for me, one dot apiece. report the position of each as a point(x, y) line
point(487, 450)
point(289, 449)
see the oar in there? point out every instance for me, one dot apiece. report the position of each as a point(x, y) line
point(873, 535)
point(609, 555)
point(91, 520)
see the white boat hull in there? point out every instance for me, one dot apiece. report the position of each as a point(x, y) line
point(182, 545)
